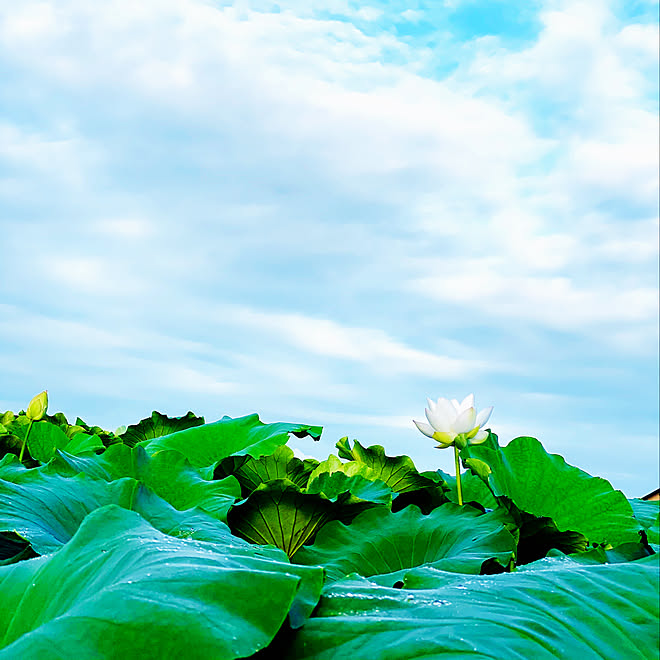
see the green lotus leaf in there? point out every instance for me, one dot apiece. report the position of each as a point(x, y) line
point(108, 438)
point(398, 472)
point(167, 473)
point(46, 507)
point(44, 439)
point(157, 426)
point(251, 472)
point(278, 513)
point(120, 588)
point(60, 420)
point(539, 614)
point(379, 542)
point(117, 461)
point(350, 468)
point(648, 514)
point(207, 445)
point(474, 489)
point(620, 554)
point(11, 469)
point(10, 445)
point(546, 486)
point(48, 510)
point(341, 487)
point(170, 476)
point(83, 443)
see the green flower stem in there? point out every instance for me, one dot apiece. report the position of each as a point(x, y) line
point(459, 488)
point(27, 435)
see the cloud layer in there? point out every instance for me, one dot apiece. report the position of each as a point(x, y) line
point(329, 213)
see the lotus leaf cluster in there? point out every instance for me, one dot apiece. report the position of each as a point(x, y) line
point(177, 538)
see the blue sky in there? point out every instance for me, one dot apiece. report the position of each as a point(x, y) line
point(326, 212)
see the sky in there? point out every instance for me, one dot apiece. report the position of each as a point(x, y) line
point(326, 212)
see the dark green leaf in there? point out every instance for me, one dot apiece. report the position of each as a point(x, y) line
point(279, 514)
point(251, 472)
point(158, 425)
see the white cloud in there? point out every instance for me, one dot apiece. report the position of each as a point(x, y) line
point(555, 301)
point(185, 168)
point(365, 345)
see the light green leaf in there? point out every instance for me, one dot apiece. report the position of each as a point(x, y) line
point(208, 444)
point(83, 443)
point(44, 439)
point(398, 472)
point(251, 472)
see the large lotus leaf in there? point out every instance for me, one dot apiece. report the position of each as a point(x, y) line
point(11, 469)
point(158, 425)
point(545, 485)
point(379, 542)
point(251, 472)
point(120, 588)
point(117, 461)
point(171, 476)
point(572, 611)
point(167, 473)
point(46, 438)
point(279, 513)
point(620, 554)
point(208, 444)
point(47, 509)
point(398, 472)
point(648, 514)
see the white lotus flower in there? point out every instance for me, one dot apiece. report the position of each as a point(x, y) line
point(451, 422)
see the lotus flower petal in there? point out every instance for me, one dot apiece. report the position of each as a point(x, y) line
point(468, 402)
point(444, 439)
point(483, 416)
point(424, 428)
point(465, 421)
point(479, 438)
point(438, 420)
point(447, 410)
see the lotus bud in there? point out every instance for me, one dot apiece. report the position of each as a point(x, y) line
point(37, 407)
